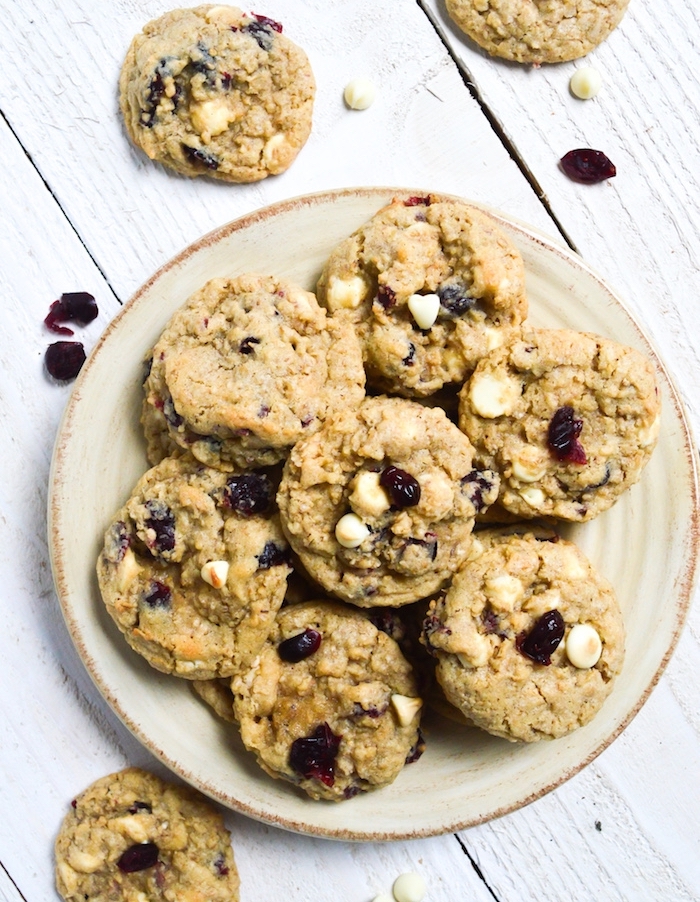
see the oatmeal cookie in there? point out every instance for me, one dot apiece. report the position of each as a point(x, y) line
point(431, 286)
point(218, 695)
point(529, 637)
point(379, 504)
point(214, 91)
point(247, 367)
point(194, 568)
point(330, 704)
point(131, 836)
point(568, 420)
point(537, 31)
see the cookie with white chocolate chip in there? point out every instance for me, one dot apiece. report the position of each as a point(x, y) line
point(247, 367)
point(131, 835)
point(214, 91)
point(379, 504)
point(528, 638)
point(552, 31)
point(568, 419)
point(431, 286)
point(330, 704)
point(194, 568)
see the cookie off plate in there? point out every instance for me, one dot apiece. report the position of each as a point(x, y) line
point(645, 545)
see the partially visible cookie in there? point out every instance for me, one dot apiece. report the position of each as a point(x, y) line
point(214, 91)
point(529, 637)
point(379, 504)
point(247, 367)
point(218, 695)
point(537, 31)
point(131, 836)
point(194, 568)
point(432, 286)
point(330, 704)
point(568, 419)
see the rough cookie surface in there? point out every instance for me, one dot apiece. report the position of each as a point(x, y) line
point(568, 420)
point(537, 31)
point(496, 600)
point(247, 367)
point(414, 525)
point(213, 91)
point(191, 573)
point(340, 721)
point(457, 261)
point(132, 819)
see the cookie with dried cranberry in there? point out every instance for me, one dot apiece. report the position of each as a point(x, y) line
point(542, 32)
point(131, 835)
point(379, 504)
point(529, 638)
point(194, 568)
point(217, 92)
point(248, 366)
point(431, 286)
point(330, 704)
point(568, 420)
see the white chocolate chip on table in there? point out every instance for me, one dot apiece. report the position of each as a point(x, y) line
point(409, 887)
point(585, 82)
point(359, 93)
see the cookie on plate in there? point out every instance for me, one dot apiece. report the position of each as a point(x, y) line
point(568, 420)
point(247, 367)
point(431, 285)
point(194, 568)
point(330, 704)
point(217, 695)
point(537, 31)
point(214, 91)
point(132, 836)
point(379, 504)
point(529, 637)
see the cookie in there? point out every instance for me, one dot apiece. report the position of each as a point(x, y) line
point(194, 568)
point(529, 637)
point(330, 704)
point(431, 286)
point(379, 504)
point(218, 695)
point(247, 367)
point(568, 420)
point(131, 836)
point(537, 31)
point(214, 91)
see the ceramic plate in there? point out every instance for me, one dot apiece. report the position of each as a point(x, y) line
point(645, 545)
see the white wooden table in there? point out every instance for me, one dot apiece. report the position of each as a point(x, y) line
point(81, 210)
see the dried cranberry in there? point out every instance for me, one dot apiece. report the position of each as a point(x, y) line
point(246, 346)
point(543, 638)
point(454, 299)
point(262, 30)
point(161, 522)
point(481, 487)
point(117, 542)
point(417, 750)
point(270, 23)
point(410, 358)
point(140, 806)
point(298, 647)
point(403, 488)
point(248, 493)
point(417, 201)
point(138, 857)
point(220, 865)
point(386, 296)
point(588, 166)
point(562, 436)
point(314, 756)
point(273, 556)
point(172, 417)
point(158, 595)
point(489, 619)
point(74, 306)
point(64, 359)
point(198, 155)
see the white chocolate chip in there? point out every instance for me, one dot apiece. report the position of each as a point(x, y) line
point(648, 436)
point(131, 826)
point(127, 571)
point(406, 707)
point(346, 294)
point(70, 878)
point(211, 117)
point(350, 531)
point(222, 14)
point(583, 646)
point(369, 498)
point(273, 152)
point(494, 396)
point(476, 549)
point(494, 338)
point(573, 566)
point(84, 862)
point(475, 651)
point(504, 590)
point(359, 93)
point(409, 887)
point(585, 82)
point(383, 897)
point(530, 465)
point(532, 496)
point(424, 309)
point(215, 573)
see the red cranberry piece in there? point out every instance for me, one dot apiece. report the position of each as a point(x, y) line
point(249, 493)
point(562, 436)
point(138, 857)
point(417, 201)
point(64, 359)
point(270, 23)
point(220, 865)
point(543, 638)
point(247, 345)
point(203, 157)
point(410, 358)
point(162, 522)
point(74, 306)
point(140, 806)
point(403, 488)
point(158, 595)
point(417, 750)
point(386, 296)
point(298, 647)
point(314, 756)
point(588, 166)
point(454, 299)
point(273, 556)
point(477, 484)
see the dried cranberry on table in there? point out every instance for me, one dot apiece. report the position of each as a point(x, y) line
point(587, 165)
point(64, 359)
point(73, 306)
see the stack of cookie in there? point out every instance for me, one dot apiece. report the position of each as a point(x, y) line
point(320, 544)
